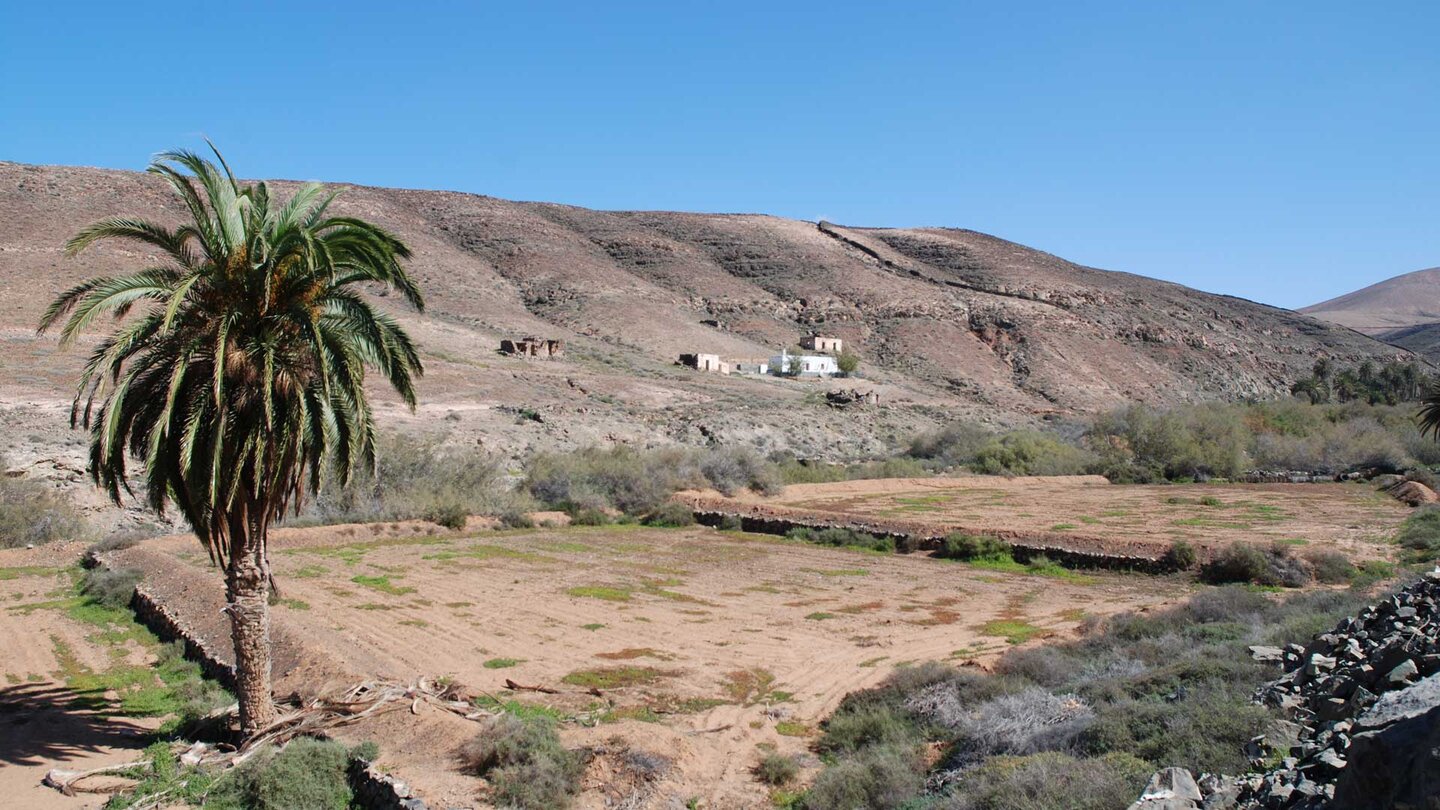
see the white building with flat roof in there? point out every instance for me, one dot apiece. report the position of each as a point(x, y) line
point(804, 365)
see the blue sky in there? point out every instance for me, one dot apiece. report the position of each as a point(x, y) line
point(1281, 151)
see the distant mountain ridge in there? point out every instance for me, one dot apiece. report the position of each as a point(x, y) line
point(1405, 300)
point(1403, 311)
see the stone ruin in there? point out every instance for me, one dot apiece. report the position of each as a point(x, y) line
point(545, 348)
point(851, 398)
point(704, 362)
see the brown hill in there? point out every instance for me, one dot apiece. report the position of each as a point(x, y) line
point(950, 323)
point(1386, 307)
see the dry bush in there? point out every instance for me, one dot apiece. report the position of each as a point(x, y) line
point(110, 587)
point(776, 770)
point(958, 546)
point(1026, 722)
point(1330, 567)
point(878, 778)
point(419, 478)
point(306, 773)
point(1242, 562)
point(636, 481)
point(1048, 781)
point(525, 763)
point(31, 512)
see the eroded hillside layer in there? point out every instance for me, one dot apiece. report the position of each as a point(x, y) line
point(948, 323)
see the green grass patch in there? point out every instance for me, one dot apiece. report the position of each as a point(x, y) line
point(614, 677)
point(1014, 631)
point(591, 626)
point(382, 584)
point(608, 593)
point(501, 663)
point(793, 728)
point(820, 616)
point(834, 572)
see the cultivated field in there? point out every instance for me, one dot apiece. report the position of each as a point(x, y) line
point(1090, 514)
point(705, 647)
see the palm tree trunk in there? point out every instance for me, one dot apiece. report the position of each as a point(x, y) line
point(247, 592)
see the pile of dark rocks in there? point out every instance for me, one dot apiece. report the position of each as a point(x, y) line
point(1361, 727)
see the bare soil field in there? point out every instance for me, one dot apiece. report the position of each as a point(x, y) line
point(1087, 513)
point(707, 648)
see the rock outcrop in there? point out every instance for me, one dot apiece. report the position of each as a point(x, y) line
point(1362, 727)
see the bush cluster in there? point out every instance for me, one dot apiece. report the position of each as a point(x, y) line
point(110, 587)
point(1419, 535)
point(525, 763)
point(849, 538)
point(958, 546)
point(1275, 566)
point(637, 482)
point(1081, 724)
point(31, 512)
point(418, 478)
point(1141, 444)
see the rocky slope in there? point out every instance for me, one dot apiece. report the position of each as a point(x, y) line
point(951, 324)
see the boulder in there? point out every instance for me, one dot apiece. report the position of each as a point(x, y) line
point(1414, 493)
point(1394, 753)
point(1170, 789)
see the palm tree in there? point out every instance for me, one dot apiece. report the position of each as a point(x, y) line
point(242, 381)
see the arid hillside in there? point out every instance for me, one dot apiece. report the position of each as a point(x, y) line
point(948, 323)
point(1386, 307)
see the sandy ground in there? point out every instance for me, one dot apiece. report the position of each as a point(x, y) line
point(1354, 518)
point(42, 724)
point(729, 641)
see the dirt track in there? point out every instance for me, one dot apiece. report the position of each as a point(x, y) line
point(731, 640)
point(44, 723)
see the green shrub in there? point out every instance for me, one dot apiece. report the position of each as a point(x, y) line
point(515, 519)
point(1181, 556)
point(420, 478)
point(636, 482)
point(776, 770)
point(31, 512)
point(1242, 562)
point(671, 514)
point(589, 517)
point(524, 761)
point(850, 731)
point(849, 538)
point(110, 587)
point(1050, 780)
point(1030, 453)
point(1205, 730)
point(952, 446)
point(451, 516)
point(1419, 535)
point(959, 546)
point(878, 778)
point(306, 773)
point(730, 523)
point(1330, 567)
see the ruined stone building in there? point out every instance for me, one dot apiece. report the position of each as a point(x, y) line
point(546, 348)
point(705, 362)
point(820, 343)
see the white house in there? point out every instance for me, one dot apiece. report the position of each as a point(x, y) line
point(805, 365)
